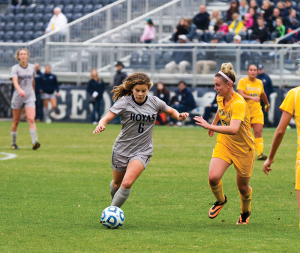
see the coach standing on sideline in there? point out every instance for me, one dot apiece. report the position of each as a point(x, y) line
point(49, 85)
point(268, 87)
point(120, 76)
point(38, 93)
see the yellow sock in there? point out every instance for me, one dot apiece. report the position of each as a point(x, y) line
point(246, 202)
point(259, 145)
point(218, 191)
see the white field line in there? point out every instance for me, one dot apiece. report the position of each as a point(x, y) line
point(7, 156)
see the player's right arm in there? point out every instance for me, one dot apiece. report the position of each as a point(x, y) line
point(103, 122)
point(17, 86)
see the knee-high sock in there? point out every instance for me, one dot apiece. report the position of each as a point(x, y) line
point(13, 137)
point(218, 191)
point(259, 145)
point(113, 190)
point(120, 197)
point(34, 136)
point(246, 202)
point(46, 113)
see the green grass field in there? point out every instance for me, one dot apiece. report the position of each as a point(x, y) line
point(51, 199)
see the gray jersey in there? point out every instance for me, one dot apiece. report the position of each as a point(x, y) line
point(138, 122)
point(25, 78)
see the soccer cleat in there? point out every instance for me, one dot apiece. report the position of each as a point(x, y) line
point(36, 145)
point(262, 157)
point(244, 218)
point(14, 146)
point(216, 208)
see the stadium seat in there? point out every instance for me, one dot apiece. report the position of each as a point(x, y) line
point(49, 8)
point(10, 9)
point(10, 26)
point(243, 34)
point(86, 2)
point(2, 18)
point(28, 26)
point(97, 7)
point(38, 17)
point(97, 2)
point(19, 26)
point(76, 16)
point(39, 9)
point(78, 8)
point(39, 2)
point(58, 2)
point(8, 36)
point(18, 35)
point(46, 2)
point(229, 36)
point(19, 41)
point(146, 60)
point(134, 60)
point(2, 26)
point(1, 35)
point(69, 17)
point(9, 17)
point(67, 2)
point(28, 36)
point(39, 27)
point(87, 9)
point(106, 2)
point(19, 9)
point(76, 2)
point(38, 34)
point(30, 9)
point(220, 36)
point(47, 17)
point(59, 6)
point(28, 17)
point(68, 8)
point(19, 17)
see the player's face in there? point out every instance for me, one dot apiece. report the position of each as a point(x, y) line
point(140, 92)
point(252, 71)
point(23, 56)
point(221, 87)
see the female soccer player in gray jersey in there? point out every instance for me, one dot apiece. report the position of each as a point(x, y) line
point(133, 148)
point(23, 75)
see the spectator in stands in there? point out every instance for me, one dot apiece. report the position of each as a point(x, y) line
point(20, 2)
point(214, 17)
point(290, 22)
point(184, 101)
point(211, 108)
point(49, 85)
point(267, 12)
point(164, 94)
point(276, 14)
point(201, 20)
point(38, 92)
point(288, 7)
point(280, 29)
point(236, 25)
point(221, 27)
point(208, 63)
point(149, 32)
point(180, 29)
point(237, 39)
point(248, 21)
point(281, 7)
point(96, 89)
point(57, 21)
point(120, 76)
point(191, 27)
point(243, 8)
point(233, 9)
point(254, 16)
point(181, 59)
point(260, 32)
point(253, 4)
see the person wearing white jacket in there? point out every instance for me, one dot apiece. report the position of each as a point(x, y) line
point(57, 21)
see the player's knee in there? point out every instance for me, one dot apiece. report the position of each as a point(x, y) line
point(213, 179)
point(30, 120)
point(116, 185)
point(126, 184)
point(243, 189)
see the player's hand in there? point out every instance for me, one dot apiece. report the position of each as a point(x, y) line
point(267, 108)
point(201, 122)
point(267, 166)
point(57, 94)
point(99, 129)
point(21, 93)
point(211, 133)
point(256, 99)
point(183, 116)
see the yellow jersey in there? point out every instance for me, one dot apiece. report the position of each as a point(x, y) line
point(291, 104)
point(253, 89)
point(242, 142)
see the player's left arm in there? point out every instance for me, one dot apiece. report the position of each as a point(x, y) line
point(175, 114)
point(264, 98)
point(278, 136)
point(33, 84)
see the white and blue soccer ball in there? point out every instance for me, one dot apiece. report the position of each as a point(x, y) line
point(112, 217)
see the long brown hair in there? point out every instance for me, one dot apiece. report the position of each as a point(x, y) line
point(98, 79)
point(125, 89)
point(163, 91)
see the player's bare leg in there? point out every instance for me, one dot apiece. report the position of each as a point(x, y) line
point(30, 113)
point(245, 196)
point(259, 143)
point(134, 170)
point(116, 182)
point(53, 103)
point(217, 169)
point(14, 127)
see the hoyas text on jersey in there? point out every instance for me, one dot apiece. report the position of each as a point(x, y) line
point(142, 117)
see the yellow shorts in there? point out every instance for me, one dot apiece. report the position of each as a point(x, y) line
point(297, 184)
point(257, 119)
point(242, 164)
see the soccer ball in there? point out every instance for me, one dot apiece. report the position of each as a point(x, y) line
point(112, 217)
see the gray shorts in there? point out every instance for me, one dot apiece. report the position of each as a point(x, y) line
point(119, 163)
point(18, 102)
point(47, 96)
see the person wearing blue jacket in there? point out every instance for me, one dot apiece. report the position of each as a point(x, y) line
point(191, 27)
point(49, 85)
point(181, 59)
point(38, 92)
point(96, 89)
point(184, 100)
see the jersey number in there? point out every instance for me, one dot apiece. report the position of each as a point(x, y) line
point(141, 128)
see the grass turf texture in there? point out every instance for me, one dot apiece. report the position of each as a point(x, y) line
point(51, 199)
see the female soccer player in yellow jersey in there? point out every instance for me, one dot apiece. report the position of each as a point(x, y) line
point(235, 143)
point(290, 107)
point(252, 90)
